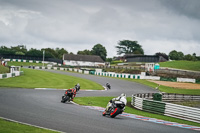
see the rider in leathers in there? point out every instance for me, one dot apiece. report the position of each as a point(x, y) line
point(121, 98)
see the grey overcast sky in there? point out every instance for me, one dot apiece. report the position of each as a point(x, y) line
point(157, 25)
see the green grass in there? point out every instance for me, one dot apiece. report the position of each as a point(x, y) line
point(24, 64)
point(102, 102)
point(189, 103)
point(41, 79)
point(186, 65)
point(4, 69)
point(116, 62)
point(12, 127)
point(166, 88)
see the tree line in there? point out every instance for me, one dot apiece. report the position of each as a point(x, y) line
point(178, 55)
point(123, 47)
point(57, 53)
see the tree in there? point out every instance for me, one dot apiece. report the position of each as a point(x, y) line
point(50, 53)
point(99, 50)
point(19, 49)
point(109, 60)
point(34, 52)
point(6, 50)
point(174, 55)
point(60, 52)
point(189, 57)
point(180, 56)
point(129, 47)
point(84, 52)
point(19, 53)
point(163, 55)
point(194, 56)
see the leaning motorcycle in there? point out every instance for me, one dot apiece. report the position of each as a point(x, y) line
point(108, 86)
point(67, 96)
point(116, 109)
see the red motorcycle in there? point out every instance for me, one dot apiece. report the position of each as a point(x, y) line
point(69, 95)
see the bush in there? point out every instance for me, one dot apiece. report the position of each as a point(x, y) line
point(4, 69)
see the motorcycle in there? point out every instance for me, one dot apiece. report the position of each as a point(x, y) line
point(116, 109)
point(108, 86)
point(67, 96)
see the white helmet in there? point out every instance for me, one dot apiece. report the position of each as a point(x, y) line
point(123, 95)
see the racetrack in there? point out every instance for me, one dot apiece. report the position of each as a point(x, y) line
point(43, 108)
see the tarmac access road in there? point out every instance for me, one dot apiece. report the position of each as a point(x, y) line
point(43, 108)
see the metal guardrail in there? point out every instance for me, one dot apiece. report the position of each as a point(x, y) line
point(171, 97)
point(167, 109)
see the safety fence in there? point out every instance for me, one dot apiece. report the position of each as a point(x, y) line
point(126, 75)
point(167, 109)
point(9, 75)
point(65, 69)
point(170, 97)
point(32, 61)
point(109, 74)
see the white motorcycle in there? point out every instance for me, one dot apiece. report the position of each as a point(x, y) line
point(116, 108)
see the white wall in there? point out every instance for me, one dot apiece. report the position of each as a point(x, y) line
point(186, 80)
point(81, 63)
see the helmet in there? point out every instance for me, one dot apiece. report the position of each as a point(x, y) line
point(123, 95)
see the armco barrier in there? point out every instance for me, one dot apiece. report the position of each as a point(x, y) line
point(167, 109)
point(171, 97)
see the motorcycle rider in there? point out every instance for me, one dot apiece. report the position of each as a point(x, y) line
point(77, 86)
point(121, 98)
point(73, 90)
point(108, 85)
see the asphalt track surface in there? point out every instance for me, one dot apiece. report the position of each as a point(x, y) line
point(43, 108)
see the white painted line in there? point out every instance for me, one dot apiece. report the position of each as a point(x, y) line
point(30, 124)
point(74, 103)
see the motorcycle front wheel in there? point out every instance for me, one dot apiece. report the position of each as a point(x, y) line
point(115, 112)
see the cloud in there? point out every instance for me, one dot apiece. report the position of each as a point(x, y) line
point(158, 25)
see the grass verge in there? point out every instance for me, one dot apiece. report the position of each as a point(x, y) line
point(102, 102)
point(186, 65)
point(41, 79)
point(12, 127)
point(166, 88)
